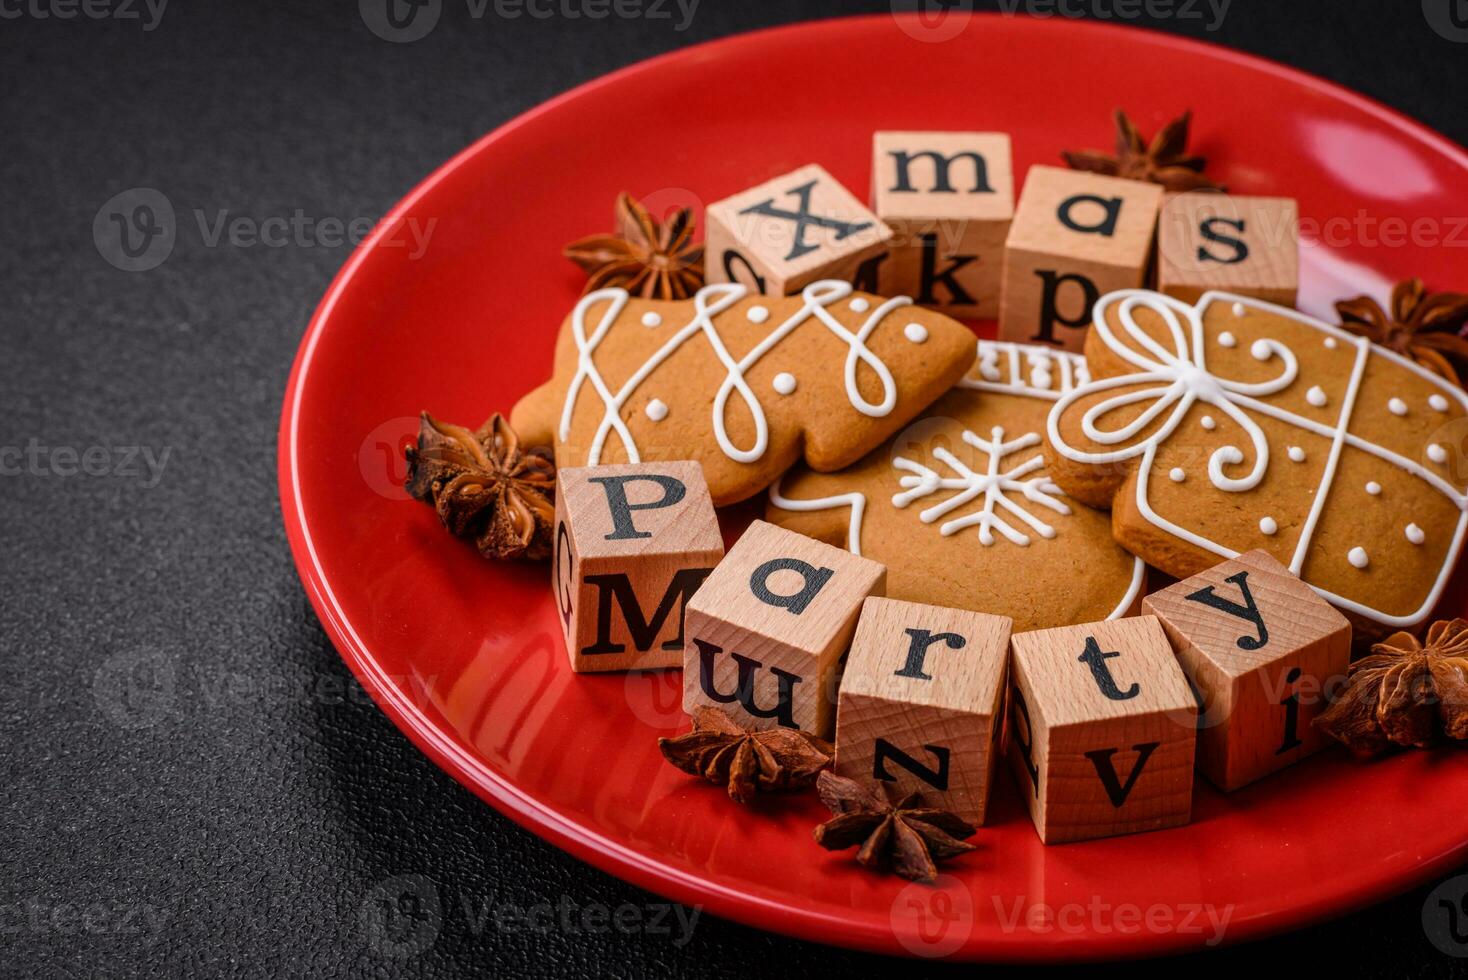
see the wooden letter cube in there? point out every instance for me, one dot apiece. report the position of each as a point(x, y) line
point(1244, 245)
point(633, 542)
point(1101, 729)
point(1076, 237)
point(1259, 646)
point(766, 633)
point(949, 199)
point(920, 702)
point(783, 235)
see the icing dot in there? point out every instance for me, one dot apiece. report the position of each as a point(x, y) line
point(917, 333)
point(1227, 339)
point(784, 382)
point(1437, 453)
point(1316, 396)
point(1208, 423)
point(1373, 488)
point(1259, 350)
point(757, 314)
point(651, 319)
point(656, 410)
point(1330, 343)
point(1177, 475)
point(1238, 309)
point(1415, 535)
point(1268, 525)
point(1438, 402)
point(860, 305)
point(1397, 407)
point(1358, 557)
point(1297, 454)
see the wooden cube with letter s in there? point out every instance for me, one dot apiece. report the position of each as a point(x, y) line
point(1244, 245)
point(632, 544)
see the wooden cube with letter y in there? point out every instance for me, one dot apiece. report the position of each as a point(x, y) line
point(1260, 647)
point(633, 542)
point(920, 702)
point(1244, 245)
point(766, 633)
point(1102, 727)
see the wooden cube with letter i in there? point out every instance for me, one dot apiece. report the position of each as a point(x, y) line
point(920, 703)
point(766, 633)
point(1102, 727)
point(1244, 245)
point(1260, 647)
point(633, 543)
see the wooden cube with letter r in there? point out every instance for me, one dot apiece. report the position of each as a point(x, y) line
point(920, 699)
point(1102, 727)
point(1244, 245)
point(1260, 647)
point(766, 633)
point(633, 543)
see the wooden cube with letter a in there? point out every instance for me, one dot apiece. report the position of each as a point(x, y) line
point(949, 199)
point(1075, 237)
point(633, 543)
point(1244, 245)
point(1260, 647)
point(1101, 729)
point(920, 703)
point(766, 633)
point(787, 233)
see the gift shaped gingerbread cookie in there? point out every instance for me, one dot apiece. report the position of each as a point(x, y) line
point(1233, 424)
point(744, 384)
point(960, 507)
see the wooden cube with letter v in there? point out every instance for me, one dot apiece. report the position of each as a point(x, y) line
point(1102, 727)
point(633, 543)
point(766, 633)
point(1075, 237)
point(1244, 245)
point(920, 703)
point(1260, 647)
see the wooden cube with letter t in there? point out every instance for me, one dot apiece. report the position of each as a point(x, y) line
point(1076, 237)
point(787, 233)
point(1244, 245)
point(767, 631)
point(1260, 647)
point(920, 702)
point(633, 542)
point(1102, 727)
point(948, 198)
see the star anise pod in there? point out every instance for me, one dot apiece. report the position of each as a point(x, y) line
point(485, 487)
point(1426, 328)
point(907, 839)
point(648, 259)
point(1404, 693)
point(1164, 161)
point(773, 761)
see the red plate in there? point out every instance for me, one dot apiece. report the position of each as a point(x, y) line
point(465, 655)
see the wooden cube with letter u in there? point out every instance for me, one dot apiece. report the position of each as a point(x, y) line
point(633, 542)
point(1102, 727)
point(766, 633)
point(920, 702)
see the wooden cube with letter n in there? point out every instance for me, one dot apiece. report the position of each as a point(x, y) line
point(920, 702)
point(1244, 245)
point(948, 198)
point(787, 233)
point(1101, 729)
point(1076, 237)
point(766, 633)
point(1260, 647)
point(633, 543)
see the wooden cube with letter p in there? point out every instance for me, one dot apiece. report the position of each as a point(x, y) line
point(1260, 647)
point(1075, 237)
point(766, 633)
point(1244, 245)
point(920, 702)
point(1102, 727)
point(633, 542)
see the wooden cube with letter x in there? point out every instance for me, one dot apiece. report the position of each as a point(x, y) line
point(1260, 647)
point(633, 543)
point(920, 701)
point(1102, 727)
point(1076, 237)
point(1244, 245)
point(766, 633)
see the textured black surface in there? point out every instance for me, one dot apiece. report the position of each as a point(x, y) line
point(192, 785)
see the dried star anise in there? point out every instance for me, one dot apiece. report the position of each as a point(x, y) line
point(907, 839)
point(1165, 161)
point(1404, 693)
point(485, 487)
point(1426, 328)
point(648, 259)
point(719, 750)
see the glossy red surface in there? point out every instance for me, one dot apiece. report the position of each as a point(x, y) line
point(465, 655)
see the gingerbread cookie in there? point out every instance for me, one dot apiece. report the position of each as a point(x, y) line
point(960, 509)
point(1215, 429)
point(745, 384)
